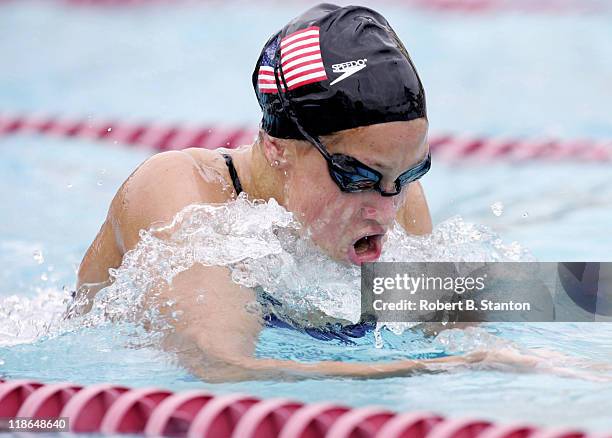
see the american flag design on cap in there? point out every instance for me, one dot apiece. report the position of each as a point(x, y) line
point(301, 61)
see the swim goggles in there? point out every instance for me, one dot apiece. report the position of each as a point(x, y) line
point(349, 174)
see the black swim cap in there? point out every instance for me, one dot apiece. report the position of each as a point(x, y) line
point(344, 67)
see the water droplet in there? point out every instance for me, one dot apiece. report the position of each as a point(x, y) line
point(525, 214)
point(102, 171)
point(69, 185)
point(378, 340)
point(38, 256)
point(109, 129)
point(200, 299)
point(99, 183)
point(1, 362)
point(497, 208)
point(44, 276)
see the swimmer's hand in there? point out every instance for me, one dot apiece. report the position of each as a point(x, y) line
point(538, 361)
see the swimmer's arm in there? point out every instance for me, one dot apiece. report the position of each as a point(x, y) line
point(414, 215)
point(92, 274)
point(215, 336)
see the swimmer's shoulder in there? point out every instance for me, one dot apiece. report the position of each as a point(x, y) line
point(159, 188)
point(156, 190)
point(414, 215)
point(162, 186)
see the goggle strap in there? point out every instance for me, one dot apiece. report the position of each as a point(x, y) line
point(286, 103)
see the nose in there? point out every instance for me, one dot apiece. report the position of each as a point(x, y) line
point(381, 209)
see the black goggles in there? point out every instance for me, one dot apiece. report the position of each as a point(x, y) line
point(349, 174)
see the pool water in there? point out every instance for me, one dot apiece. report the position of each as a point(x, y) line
point(496, 74)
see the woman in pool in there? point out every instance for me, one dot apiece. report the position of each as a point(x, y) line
point(342, 144)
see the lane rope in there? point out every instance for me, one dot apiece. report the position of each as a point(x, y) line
point(160, 137)
point(452, 6)
point(113, 409)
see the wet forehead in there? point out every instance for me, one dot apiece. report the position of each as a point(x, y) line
point(387, 146)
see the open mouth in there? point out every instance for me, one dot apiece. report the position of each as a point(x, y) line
point(366, 249)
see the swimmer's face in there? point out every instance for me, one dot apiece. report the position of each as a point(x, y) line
point(350, 226)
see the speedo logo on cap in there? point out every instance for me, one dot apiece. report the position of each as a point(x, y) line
point(347, 69)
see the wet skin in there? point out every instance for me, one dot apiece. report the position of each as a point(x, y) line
point(216, 340)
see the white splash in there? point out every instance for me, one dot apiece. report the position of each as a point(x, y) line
point(24, 319)
point(261, 244)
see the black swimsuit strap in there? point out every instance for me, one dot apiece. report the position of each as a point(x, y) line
point(233, 173)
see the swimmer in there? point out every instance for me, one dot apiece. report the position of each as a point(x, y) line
point(342, 145)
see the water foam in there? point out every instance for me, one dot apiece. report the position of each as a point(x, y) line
point(264, 248)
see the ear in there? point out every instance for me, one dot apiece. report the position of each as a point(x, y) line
point(275, 150)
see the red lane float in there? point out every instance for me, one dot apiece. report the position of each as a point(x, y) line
point(157, 412)
point(174, 137)
point(174, 414)
point(87, 407)
point(130, 412)
point(47, 401)
point(13, 395)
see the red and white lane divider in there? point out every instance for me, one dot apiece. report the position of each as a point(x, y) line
point(450, 6)
point(113, 409)
point(522, 6)
point(173, 137)
point(147, 135)
point(461, 6)
point(454, 148)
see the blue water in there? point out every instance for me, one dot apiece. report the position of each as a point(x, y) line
point(496, 74)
